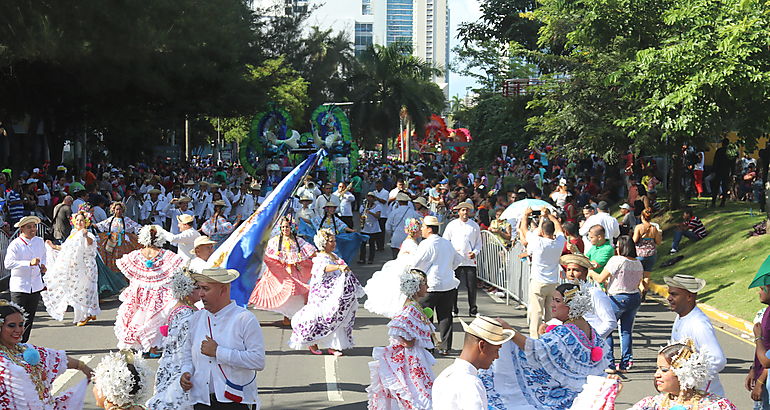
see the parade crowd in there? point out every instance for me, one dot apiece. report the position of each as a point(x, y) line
point(147, 233)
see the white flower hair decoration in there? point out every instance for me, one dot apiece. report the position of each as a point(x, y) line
point(579, 301)
point(689, 365)
point(113, 378)
point(12, 304)
point(182, 285)
point(410, 281)
point(145, 236)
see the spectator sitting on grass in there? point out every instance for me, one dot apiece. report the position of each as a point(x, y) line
point(691, 227)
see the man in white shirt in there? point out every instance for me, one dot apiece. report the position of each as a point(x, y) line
point(225, 348)
point(395, 222)
point(382, 194)
point(25, 258)
point(177, 207)
point(185, 239)
point(243, 203)
point(603, 218)
point(346, 199)
point(203, 248)
point(458, 386)
point(323, 199)
point(309, 189)
point(544, 246)
point(370, 226)
point(692, 323)
point(152, 209)
point(465, 235)
point(438, 259)
point(602, 318)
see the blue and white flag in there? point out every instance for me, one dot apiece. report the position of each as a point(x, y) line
point(244, 249)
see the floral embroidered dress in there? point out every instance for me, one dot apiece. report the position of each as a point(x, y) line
point(708, 402)
point(72, 279)
point(283, 286)
point(548, 374)
point(168, 392)
point(217, 229)
point(327, 318)
point(29, 387)
point(147, 301)
point(383, 289)
point(118, 237)
point(402, 377)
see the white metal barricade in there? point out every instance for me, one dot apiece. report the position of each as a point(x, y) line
point(501, 267)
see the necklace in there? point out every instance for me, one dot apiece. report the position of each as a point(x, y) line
point(680, 402)
point(16, 355)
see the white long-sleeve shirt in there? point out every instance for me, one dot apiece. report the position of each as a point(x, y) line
point(607, 221)
point(149, 207)
point(395, 224)
point(240, 354)
point(459, 388)
point(185, 242)
point(697, 326)
point(25, 278)
point(602, 318)
point(171, 212)
point(438, 259)
point(346, 203)
point(465, 237)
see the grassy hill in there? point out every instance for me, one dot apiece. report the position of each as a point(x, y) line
point(727, 258)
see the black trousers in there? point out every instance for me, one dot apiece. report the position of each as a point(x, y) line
point(224, 406)
point(373, 238)
point(381, 239)
point(441, 303)
point(348, 221)
point(28, 302)
point(467, 276)
point(724, 182)
point(395, 251)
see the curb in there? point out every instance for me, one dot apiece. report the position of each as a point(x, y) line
point(712, 312)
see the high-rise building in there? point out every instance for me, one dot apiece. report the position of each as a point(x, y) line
point(422, 23)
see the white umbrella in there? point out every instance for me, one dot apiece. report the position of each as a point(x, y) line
point(516, 209)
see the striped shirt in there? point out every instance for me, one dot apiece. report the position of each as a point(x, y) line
point(696, 226)
point(15, 211)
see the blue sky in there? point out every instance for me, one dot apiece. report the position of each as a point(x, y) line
point(461, 11)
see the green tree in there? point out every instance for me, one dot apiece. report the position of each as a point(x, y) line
point(385, 80)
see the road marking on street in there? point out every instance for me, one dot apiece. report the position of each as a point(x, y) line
point(332, 390)
point(60, 381)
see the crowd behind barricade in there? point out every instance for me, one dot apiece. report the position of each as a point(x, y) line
point(148, 231)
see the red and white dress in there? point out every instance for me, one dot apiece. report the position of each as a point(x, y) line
point(23, 386)
point(402, 377)
point(283, 287)
point(147, 301)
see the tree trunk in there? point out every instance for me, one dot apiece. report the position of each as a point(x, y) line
point(675, 186)
point(385, 140)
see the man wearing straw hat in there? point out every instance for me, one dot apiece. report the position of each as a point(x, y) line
point(458, 386)
point(175, 208)
point(203, 248)
point(438, 259)
point(185, 239)
point(692, 323)
point(602, 318)
point(151, 209)
point(465, 236)
point(225, 348)
point(25, 258)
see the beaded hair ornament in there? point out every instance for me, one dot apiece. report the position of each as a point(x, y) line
point(689, 365)
point(113, 378)
point(322, 237)
point(84, 210)
point(4, 302)
point(410, 281)
point(182, 285)
point(579, 301)
point(412, 225)
point(145, 236)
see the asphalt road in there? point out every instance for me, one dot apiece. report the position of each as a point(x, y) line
point(299, 380)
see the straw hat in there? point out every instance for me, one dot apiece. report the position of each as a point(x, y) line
point(421, 201)
point(686, 282)
point(462, 205)
point(201, 240)
point(306, 197)
point(577, 259)
point(185, 219)
point(431, 220)
point(488, 330)
point(372, 193)
point(203, 183)
point(184, 199)
point(154, 191)
point(220, 202)
point(401, 196)
point(27, 220)
point(216, 275)
point(189, 182)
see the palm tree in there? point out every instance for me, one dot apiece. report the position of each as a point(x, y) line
point(386, 80)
